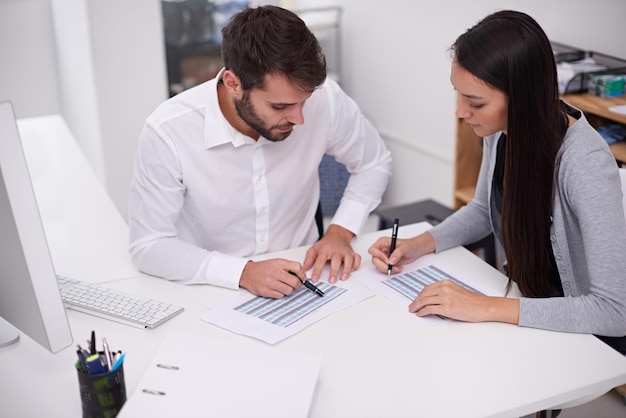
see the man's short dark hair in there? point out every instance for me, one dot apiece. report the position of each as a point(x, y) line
point(272, 40)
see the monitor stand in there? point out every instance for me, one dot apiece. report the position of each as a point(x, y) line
point(8, 333)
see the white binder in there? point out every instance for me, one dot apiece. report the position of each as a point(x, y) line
point(198, 376)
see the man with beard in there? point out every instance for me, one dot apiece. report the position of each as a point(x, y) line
point(229, 169)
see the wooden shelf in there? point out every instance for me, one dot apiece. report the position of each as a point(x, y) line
point(619, 151)
point(465, 195)
point(468, 154)
point(598, 106)
point(469, 145)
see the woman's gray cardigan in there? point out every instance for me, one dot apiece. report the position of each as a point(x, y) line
point(588, 236)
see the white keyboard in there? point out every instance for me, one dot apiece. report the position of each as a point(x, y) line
point(110, 304)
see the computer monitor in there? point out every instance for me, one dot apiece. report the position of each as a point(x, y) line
point(29, 295)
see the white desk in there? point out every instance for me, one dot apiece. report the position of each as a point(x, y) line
point(378, 360)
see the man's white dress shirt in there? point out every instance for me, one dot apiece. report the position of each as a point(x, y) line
point(205, 197)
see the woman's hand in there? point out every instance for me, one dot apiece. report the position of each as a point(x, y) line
point(446, 298)
point(407, 250)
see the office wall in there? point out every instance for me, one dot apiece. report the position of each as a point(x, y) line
point(112, 75)
point(76, 79)
point(28, 74)
point(131, 80)
point(396, 67)
point(101, 64)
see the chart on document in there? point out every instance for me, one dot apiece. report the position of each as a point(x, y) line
point(284, 312)
point(411, 284)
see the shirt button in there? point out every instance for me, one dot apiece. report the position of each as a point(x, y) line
point(552, 238)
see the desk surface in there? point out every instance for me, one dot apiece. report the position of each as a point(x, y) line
point(378, 360)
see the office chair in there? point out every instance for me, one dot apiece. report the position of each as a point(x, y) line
point(333, 181)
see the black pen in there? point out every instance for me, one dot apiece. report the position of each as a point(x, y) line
point(394, 237)
point(309, 285)
point(92, 343)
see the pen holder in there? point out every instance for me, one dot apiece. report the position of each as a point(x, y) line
point(102, 395)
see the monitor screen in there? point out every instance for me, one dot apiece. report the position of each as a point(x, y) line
point(29, 295)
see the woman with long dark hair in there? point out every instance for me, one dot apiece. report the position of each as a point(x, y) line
point(548, 188)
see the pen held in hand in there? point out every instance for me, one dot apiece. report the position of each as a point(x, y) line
point(394, 238)
point(309, 285)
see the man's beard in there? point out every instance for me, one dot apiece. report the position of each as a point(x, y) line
point(246, 111)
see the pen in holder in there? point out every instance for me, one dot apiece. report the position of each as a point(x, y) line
point(100, 380)
point(102, 395)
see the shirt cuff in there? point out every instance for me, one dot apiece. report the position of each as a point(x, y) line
point(351, 215)
point(225, 270)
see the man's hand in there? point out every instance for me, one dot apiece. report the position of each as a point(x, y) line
point(271, 278)
point(334, 247)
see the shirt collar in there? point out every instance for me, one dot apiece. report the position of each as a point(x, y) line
point(217, 130)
